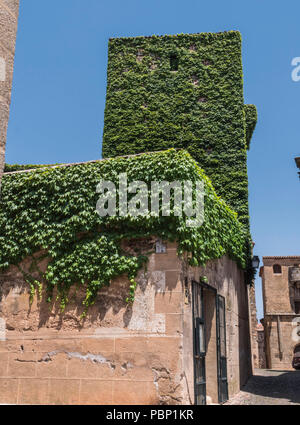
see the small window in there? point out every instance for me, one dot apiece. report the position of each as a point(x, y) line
point(174, 62)
point(160, 247)
point(297, 307)
point(277, 269)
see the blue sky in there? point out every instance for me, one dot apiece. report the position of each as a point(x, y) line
point(60, 82)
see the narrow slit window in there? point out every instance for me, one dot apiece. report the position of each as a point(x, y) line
point(174, 62)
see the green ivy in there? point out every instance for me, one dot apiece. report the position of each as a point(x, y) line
point(54, 210)
point(200, 107)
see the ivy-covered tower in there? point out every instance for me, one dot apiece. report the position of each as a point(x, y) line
point(182, 91)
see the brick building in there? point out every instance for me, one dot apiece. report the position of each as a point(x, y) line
point(9, 10)
point(281, 300)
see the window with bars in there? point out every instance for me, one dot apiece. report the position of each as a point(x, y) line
point(277, 269)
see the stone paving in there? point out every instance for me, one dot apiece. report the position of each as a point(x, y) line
point(270, 387)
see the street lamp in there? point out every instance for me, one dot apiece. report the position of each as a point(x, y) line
point(255, 262)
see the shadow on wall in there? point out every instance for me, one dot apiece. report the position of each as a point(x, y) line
point(244, 337)
point(110, 308)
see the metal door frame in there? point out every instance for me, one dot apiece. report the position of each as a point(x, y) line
point(198, 356)
point(201, 320)
point(221, 360)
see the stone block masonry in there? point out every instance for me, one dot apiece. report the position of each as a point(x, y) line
point(9, 10)
point(119, 354)
point(281, 297)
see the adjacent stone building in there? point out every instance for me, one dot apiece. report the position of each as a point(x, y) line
point(9, 10)
point(261, 364)
point(281, 300)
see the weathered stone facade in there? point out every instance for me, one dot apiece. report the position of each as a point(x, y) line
point(281, 298)
point(9, 10)
point(253, 325)
point(120, 354)
point(261, 356)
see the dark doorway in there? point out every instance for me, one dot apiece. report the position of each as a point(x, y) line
point(209, 330)
point(199, 344)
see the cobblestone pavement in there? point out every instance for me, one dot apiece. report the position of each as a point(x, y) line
point(270, 387)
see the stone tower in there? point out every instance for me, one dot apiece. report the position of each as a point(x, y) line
point(183, 91)
point(9, 10)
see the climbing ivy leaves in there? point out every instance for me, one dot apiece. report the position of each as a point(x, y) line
point(183, 91)
point(54, 210)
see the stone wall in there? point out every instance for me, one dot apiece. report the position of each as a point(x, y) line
point(9, 10)
point(119, 354)
point(280, 359)
point(253, 326)
point(261, 364)
point(277, 292)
